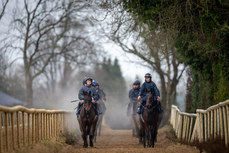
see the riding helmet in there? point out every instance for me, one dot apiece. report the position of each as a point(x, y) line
point(136, 82)
point(89, 79)
point(95, 83)
point(148, 75)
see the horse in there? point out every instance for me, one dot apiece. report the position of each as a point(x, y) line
point(102, 110)
point(150, 121)
point(132, 113)
point(87, 120)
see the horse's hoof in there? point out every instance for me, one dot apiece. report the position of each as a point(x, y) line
point(85, 146)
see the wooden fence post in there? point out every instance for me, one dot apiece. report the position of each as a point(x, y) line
point(221, 123)
point(18, 129)
point(205, 126)
point(6, 131)
point(190, 129)
point(215, 123)
point(23, 127)
point(28, 126)
point(12, 130)
point(225, 125)
point(212, 123)
point(41, 124)
point(218, 122)
point(209, 124)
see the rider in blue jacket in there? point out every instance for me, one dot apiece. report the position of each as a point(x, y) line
point(101, 93)
point(88, 88)
point(102, 97)
point(148, 86)
point(133, 95)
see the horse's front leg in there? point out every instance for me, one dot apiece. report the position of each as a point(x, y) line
point(154, 137)
point(147, 135)
point(92, 132)
point(85, 139)
point(144, 138)
point(84, 134)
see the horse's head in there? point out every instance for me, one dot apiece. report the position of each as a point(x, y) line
point(149, 99)
point(87, 96)
point(87, 101)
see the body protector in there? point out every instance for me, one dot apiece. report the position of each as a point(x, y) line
point(88, 89)
point(147, 87)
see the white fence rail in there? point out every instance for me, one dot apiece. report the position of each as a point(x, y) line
point(202, 126)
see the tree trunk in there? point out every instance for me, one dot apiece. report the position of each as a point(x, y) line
point(29, 89)
point(164, 101)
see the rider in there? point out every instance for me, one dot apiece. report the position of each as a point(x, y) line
point(102, 97)
point(148, 86)
point(88, 88)
point(133, 95)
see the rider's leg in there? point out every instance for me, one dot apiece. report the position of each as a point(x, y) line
point(142, 103)
point(78, 109)
point(96, 108)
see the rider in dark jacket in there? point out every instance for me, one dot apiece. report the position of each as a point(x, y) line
point(148, 86)
point(87, 88)
point(102, 97)
point(133, 95)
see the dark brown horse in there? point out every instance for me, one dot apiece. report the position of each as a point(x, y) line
point(87, 120)
point(150, 121)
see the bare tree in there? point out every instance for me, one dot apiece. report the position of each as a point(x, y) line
point(155, 47)
point(38, 25)
point(78, 50)
point(3, 8)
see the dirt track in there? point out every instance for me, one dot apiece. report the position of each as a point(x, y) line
point(115, 141)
